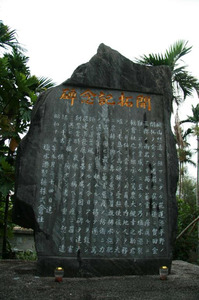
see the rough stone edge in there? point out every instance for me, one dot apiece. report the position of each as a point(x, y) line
point(106, 63)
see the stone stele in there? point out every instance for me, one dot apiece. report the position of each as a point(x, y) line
point(97, 171)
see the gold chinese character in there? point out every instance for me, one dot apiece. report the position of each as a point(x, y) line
point(143, 102)
point(125, 101)
point(70, 96)
point(87, 97)
point(105, 99)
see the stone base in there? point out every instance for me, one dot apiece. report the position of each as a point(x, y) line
point(97, 267)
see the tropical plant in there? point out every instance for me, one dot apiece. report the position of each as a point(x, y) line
point(194, 119)
point(183, 151)
point(187, 241)
point(184, 157)
point(7, 37)
point(18, 93)
point(182, 81)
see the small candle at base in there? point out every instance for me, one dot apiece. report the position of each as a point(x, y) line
point(163, 271)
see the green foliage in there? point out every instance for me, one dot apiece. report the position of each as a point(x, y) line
point(10, 225)
point(7, 37)
point(187, 212)
point(18, 93)
point(6, 176)
point(183, 82)
point(26, 255)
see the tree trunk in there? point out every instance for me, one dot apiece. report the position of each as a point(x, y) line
point(197, 186)
point(4, 248)
point(180, 179)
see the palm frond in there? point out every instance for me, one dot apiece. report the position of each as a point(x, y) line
point(8, 38)
point(184, 156)
point(152, 60)
point(186, 82)
point(188, 120)
point(194, 118)
point(44, 84)
point(187, 132)
point(177, 51)
point(179, 70)
point(17, 61)
point(191, 162)
point(195, 111)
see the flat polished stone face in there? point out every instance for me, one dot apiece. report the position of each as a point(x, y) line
point(97, 171)
point(102, 171)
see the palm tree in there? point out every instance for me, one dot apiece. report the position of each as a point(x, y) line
point(8, 37)
point(194, 119)
point(182, 81)
point(184, 157)
point(184, 154)
point(183, 84)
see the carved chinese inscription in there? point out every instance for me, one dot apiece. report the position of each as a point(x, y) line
point(89, 97)
point(108, 171)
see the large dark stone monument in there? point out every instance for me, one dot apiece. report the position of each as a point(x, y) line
point(97, 171)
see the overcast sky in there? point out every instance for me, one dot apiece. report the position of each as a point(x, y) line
point(60, 35)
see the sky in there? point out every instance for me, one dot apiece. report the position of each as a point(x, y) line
point(63, 34)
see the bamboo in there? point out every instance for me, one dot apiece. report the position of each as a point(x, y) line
point(193, 222)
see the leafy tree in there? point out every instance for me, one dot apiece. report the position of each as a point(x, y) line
point(182, 81)
point(194, 119)
point(187, 212)
point(18, 93)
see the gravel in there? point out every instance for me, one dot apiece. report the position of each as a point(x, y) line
point(18, 280)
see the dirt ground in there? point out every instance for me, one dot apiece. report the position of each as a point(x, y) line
point(18, 280)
